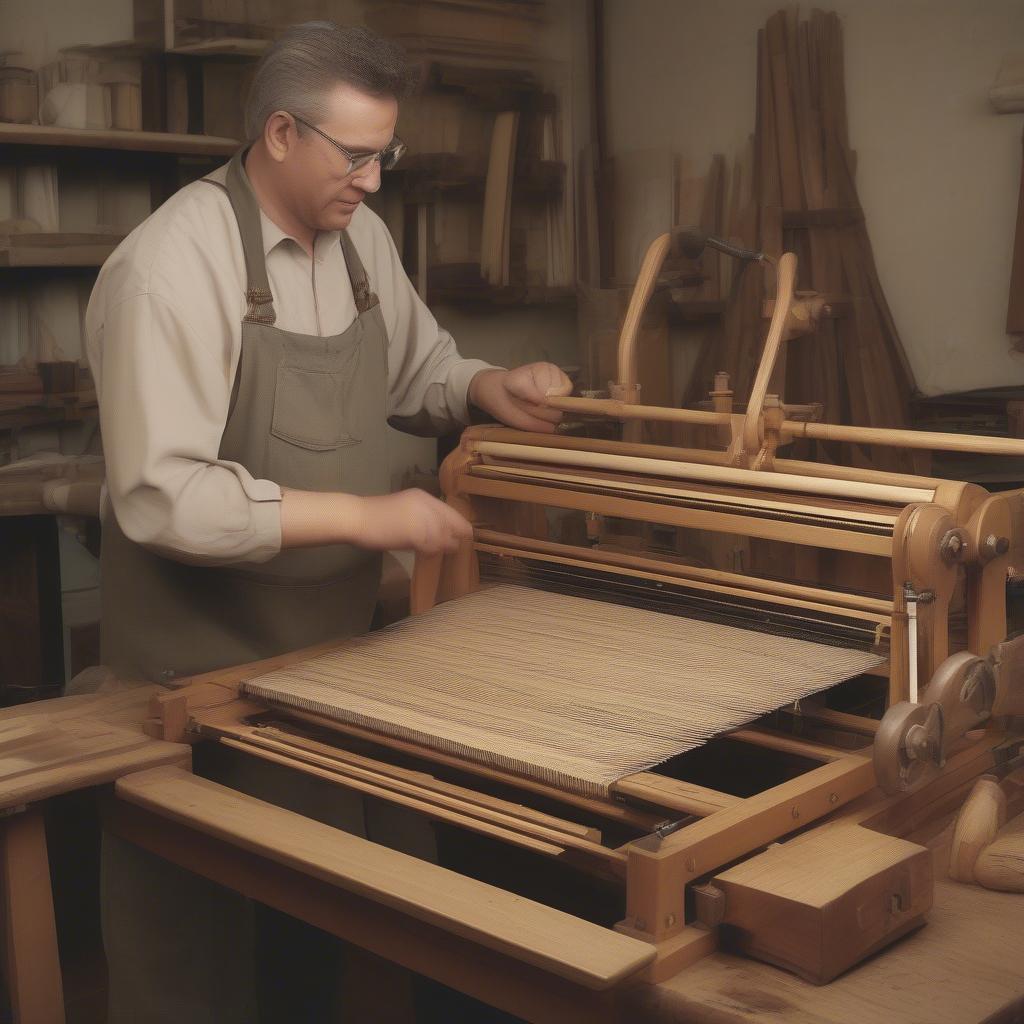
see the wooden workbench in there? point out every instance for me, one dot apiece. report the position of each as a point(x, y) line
point(963, 967)
point(47, 749)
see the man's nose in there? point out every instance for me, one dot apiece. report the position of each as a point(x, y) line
point(368, 178)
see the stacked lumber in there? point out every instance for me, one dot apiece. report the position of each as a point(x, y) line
point(494, 245)
point(806, 201)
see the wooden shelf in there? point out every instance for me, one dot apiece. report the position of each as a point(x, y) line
point(142, 142)
point(226, 47)
point(41, 410)
point(57, 250)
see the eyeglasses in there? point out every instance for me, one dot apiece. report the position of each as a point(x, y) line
point(388, 156)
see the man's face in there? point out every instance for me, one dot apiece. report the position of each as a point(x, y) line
point(324, 195)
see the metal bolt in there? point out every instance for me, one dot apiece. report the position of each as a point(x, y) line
point(996, 545)
point(951, 546)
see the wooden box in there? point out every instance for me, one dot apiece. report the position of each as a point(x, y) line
point(822, 902)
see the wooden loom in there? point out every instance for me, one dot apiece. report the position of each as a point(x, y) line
point(688, 857)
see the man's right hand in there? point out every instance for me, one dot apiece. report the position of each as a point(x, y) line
point(409, 520)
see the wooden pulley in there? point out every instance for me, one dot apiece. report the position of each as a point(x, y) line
point(964, 686)
point(908, 748)
point(962, 694)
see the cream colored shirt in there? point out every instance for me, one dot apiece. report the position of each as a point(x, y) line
point(163, 335)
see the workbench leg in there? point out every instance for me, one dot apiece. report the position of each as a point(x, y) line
point(30, 933)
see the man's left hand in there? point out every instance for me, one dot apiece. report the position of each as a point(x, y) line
point(519, 397)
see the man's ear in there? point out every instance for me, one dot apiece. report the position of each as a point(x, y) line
point(279, 135)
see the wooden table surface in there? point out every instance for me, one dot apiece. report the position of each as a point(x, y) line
point(57, 746)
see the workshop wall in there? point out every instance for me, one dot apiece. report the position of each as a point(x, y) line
point(937, 169)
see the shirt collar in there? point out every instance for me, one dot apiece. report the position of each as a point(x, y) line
point(273, 236)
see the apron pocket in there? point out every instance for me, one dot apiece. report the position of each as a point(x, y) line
point(312, 408)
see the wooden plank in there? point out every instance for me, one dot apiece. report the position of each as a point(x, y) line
point(30, 933)
point(47, 757)
point(502, 981)
point(572, 949)
point(141, 142)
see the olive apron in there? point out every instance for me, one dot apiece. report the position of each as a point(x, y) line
point(309, 413)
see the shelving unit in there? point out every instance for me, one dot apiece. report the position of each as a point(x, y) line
point(112, 139)
point(57, 249)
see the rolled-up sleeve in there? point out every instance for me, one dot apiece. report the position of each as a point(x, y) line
point(163, 401)
point(428, 380)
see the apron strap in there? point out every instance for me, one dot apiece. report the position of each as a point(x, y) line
point(258, 297)
point(365, 299)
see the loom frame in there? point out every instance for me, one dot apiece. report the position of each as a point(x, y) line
point(937, 527)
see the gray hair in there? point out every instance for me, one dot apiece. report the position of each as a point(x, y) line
point(308, 60)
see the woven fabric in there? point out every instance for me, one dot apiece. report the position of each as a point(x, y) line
point(562, 689)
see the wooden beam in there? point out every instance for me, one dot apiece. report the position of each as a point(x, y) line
point(572, 949)
point(30, 933)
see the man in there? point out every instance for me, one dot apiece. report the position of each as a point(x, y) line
point(250, 341)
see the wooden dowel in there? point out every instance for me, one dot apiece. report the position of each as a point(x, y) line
point(643, 510)
point(697, 455)
point(727, 503)
point(427, 795)
point(675, 794)
point(295, 741)
point(646, 280)
point(713, 474)
point(786, 278)
point(786, 744)
point(839, 719)
point(429, 810)
point(717, 578)
point(919, 439)
point(611, 810)
point(616, 409)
